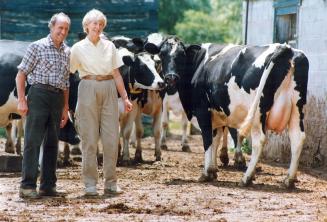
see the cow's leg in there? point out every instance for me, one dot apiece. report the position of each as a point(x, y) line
point(297, 137)
point(156, 133)
point(204, 119)
point(239, 160)
point(66, 154)
point(258, 141)
point(133, 137)
point(224, 150)
point(126, 128)
point(9, 146)
point(20, 131)
point(210, 171)
point(139, 134)
point(185, 146)
point(164, 123)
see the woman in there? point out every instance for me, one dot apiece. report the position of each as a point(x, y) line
point(97, 62)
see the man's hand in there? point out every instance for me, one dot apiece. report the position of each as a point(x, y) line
point(128, 105)
point(64, 117)
point(22, 107)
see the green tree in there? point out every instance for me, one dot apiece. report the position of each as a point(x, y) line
point(171, 12)
point(223, 24)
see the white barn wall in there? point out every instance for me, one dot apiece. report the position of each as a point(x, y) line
point(313, 41)
point(260, 22)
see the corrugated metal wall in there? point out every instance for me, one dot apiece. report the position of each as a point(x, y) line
point(27, 20)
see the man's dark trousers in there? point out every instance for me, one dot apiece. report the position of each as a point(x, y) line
point(42, 125)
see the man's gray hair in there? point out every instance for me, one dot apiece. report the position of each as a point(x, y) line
point(55, 17)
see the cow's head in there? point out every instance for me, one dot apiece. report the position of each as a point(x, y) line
point(172, 54)
point(141, 71)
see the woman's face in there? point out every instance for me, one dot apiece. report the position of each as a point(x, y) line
point(95, 28)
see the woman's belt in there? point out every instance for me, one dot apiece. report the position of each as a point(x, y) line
point(98, 77)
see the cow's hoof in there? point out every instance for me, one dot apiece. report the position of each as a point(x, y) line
point(9, 148)
point(224, 160)
point(164, 147)
point(66, 163)
point(208, 178)
point(18, 148)
point(289, 183)
point(212, 173)
point(203, 178)
point(245, 182)
point(138, 159)
point(76, 151)
point(240, 163)
point(138, 156)
point(157, 154)
point(186, 148)
point(125, 163)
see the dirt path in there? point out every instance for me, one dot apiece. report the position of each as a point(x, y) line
point(169, 191)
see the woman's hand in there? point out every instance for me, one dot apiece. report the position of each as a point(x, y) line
point(128, 105)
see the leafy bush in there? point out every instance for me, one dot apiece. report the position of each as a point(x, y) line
point(2, 133)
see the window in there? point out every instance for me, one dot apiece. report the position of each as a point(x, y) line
point(285, 27)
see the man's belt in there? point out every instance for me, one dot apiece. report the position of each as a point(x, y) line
point(47, 87)
point(98, 77)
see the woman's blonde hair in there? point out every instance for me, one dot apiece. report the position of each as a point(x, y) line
point(93, 15)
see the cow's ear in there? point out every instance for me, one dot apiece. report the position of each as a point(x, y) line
point(119, 42)
point(139, 43)
point(151, 48)
point(128, 60)
point(192, 49)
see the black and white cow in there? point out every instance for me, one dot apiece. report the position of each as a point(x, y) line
point(141, 81)
point(251, 88)
point(11, 54)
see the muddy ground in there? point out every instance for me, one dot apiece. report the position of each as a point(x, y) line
point(169, 191)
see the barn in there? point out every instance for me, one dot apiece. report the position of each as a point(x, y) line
point(27, 20)
point(302, 24)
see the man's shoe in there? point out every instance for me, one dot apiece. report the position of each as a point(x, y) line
point(90, 192)
point(113, 190)
point(28, 193)
point(52, 193)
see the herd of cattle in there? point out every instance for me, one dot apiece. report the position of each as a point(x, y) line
point(221, 87)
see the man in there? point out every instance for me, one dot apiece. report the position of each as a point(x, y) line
point(46, 68)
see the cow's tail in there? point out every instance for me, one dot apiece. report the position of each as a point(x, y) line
point(247, 123)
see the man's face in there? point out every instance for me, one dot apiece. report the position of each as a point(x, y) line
point(59, 30)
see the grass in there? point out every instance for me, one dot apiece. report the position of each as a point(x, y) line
point(2, 133)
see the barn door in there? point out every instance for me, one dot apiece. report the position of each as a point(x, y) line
point(285, 25)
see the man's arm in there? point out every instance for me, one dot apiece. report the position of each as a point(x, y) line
point(20, 84)
point(65, 110)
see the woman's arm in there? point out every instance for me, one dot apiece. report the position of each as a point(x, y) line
point(121, 90)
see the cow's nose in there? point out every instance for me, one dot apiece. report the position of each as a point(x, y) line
point(161, 85)
point(171, 79)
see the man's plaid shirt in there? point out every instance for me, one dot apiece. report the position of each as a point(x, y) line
point(44, 63)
